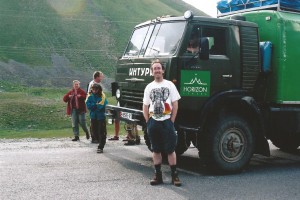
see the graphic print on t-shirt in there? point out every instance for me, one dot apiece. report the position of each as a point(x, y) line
point(158, 98)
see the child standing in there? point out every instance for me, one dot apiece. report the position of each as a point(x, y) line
point(96, 103)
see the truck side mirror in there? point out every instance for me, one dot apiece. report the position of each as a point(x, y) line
point(204, 49)
point(266, 54)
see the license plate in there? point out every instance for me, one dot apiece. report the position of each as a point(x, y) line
point(126, 115)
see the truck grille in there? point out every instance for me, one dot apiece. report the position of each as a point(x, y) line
point(249, 56)
point(132, 97)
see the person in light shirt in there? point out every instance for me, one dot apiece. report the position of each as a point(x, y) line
point(160, 105)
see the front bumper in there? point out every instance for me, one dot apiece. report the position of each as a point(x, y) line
point(129, 115)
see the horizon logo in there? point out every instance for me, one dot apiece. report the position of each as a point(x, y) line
point(195, 83)
point(198, 81)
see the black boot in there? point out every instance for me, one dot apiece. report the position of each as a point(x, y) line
point(175, 179)
point(157, 179)
point(87, 135)
point(75, 139)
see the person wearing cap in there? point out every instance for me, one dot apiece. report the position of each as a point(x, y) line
point(77, 109)
point(96, 103)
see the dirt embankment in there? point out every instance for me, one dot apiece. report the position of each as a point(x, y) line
point(60, 74)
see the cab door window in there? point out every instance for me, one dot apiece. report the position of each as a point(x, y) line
point(216, 39)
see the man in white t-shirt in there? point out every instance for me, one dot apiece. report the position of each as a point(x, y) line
point(98, 77)
point(160, 105)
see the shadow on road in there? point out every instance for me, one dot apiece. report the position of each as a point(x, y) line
point(279, 159)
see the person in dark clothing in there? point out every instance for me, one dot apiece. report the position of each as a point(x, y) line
point(96, 103)
point(98, 76)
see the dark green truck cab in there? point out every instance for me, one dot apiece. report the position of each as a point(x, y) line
point(226, 109)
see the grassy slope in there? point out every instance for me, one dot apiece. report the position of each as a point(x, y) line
point(86, 32)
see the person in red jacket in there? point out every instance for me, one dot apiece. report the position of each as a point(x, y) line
point(76, 108)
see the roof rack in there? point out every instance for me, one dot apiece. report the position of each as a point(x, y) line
point(229, 7)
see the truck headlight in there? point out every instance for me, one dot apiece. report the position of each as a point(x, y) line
point(118, 93)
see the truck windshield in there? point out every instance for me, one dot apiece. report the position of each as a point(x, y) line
point(159, 39)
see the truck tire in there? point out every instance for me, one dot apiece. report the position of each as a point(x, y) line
point(182, 143)
point(229, 144)
point(286, 142)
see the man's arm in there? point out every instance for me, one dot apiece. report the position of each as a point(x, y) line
point(146, 112)
point(174, 111)
point(89, 87)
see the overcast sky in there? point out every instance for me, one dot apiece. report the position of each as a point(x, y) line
point(207, 6)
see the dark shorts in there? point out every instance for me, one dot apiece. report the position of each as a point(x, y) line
point(162, 135)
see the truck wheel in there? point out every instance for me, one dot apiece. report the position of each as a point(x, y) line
point(230, 144)
point(286, 142)
point(182, 143)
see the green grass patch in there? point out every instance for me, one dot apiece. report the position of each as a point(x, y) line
point(54, 133)
point(37, 113)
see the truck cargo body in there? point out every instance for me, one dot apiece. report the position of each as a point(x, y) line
point(283, 30)
point(280, 96)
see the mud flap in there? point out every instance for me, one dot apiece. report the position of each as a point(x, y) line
point(262, 146)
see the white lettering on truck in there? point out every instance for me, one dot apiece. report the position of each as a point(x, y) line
point(140, 72)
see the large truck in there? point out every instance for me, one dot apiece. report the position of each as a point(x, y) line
point(239, 89)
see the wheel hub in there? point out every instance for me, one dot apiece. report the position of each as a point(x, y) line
point(232, 145)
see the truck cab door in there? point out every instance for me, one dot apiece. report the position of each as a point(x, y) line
point(202, 75)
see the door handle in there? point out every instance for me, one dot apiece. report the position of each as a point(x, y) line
point(227, 75)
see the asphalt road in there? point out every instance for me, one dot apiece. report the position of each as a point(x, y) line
point(62, 169)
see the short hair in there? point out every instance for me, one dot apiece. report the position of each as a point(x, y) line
point(97, 74)
point(99, 87)
point(157, 61)
point(76, 81)
point(96, 85)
